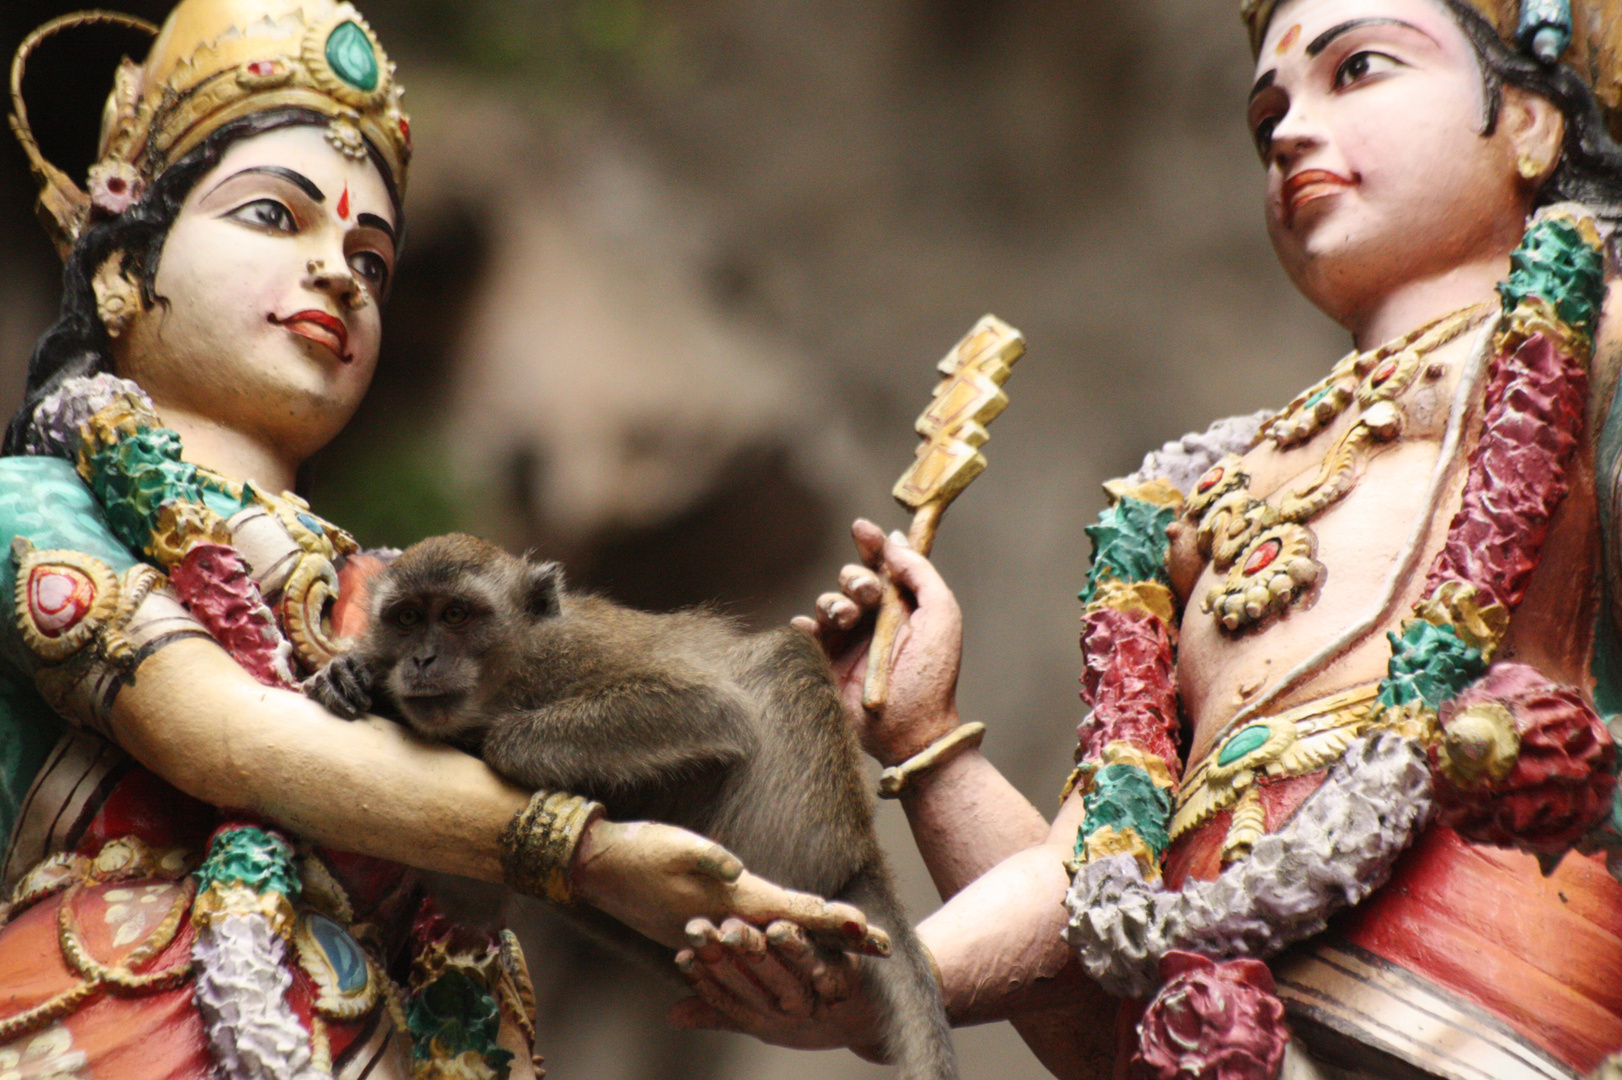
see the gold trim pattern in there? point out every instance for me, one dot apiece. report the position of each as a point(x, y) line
point(96, 977)
point(1136, 597)
point(1298, 741)
point(1249, 825)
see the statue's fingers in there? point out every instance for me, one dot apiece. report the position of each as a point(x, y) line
point(842, 922)
point(831, 983)
point(722, 1008)
point(869, 541)
point(861, 584)
point(788, 988)
point(742, 939)
point(737, 978)
point(747, 945)
point(704, 941)
point(837, 611)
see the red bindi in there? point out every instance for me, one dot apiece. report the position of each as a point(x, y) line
point(343, 204)
point(1289, 38)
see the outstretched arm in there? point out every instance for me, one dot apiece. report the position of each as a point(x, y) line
point(1000, 866)
point(998, 946)
point(193, 716)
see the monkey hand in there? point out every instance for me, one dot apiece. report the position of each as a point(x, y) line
point(922, 703)
point(774, 984)
point(657, 878)
point(343, 686)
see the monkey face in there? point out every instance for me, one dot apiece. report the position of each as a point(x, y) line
point(447, 623)
point(439, 642)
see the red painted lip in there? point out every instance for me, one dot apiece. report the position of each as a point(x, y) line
point(1310, 185)
point(319, 327)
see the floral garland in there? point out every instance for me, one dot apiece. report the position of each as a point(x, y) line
point(200, 528)
point(1123, 922)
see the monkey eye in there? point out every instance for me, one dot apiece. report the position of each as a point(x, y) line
point(406, 617)
point(454, 614)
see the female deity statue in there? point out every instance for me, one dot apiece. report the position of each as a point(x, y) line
point(1344, 790)
point(206, 874)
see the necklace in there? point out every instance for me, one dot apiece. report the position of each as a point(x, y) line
point(1268, 551)
point(1374, 740)
point(1379, 374)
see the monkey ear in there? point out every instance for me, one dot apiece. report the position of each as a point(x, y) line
point(543, 584)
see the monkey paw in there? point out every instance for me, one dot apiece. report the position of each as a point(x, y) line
point(344, 686)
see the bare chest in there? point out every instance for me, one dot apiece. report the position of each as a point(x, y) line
point(1314, 543)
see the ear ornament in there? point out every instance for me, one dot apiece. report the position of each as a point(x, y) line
point(117, 297)
point(1529, 167)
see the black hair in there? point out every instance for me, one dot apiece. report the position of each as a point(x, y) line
point(77, 344)
point(1590, 166)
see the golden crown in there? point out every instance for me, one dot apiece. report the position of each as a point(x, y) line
point(215, 61)
point(1585, 35)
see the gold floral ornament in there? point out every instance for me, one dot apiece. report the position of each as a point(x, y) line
point(1278, 565)
point(214, 62)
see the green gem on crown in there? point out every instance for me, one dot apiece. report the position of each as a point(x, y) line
point(351, 56)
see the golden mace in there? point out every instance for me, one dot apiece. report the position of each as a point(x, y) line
point(954, 428)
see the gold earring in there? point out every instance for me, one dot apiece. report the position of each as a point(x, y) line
point(1529, 167)
point(117, 297)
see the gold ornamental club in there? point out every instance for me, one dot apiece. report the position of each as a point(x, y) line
point(968, 398)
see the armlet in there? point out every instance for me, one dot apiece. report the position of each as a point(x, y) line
point(90, 628)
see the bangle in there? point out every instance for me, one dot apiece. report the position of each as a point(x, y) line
point(538, 844)
point(934, 967)
point(893, 781)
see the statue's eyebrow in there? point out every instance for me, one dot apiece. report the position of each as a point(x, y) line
point(297, 179)
point(372, 221)
point(1321, 42)
point(1263, 83)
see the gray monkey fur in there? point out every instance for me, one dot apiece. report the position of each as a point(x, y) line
point(679, 717)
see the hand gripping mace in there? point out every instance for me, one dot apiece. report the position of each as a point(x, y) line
point(954, 428)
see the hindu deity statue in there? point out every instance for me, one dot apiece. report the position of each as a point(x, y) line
point(1345, 800)
point(207, 875)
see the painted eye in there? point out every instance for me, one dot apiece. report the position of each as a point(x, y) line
point(454, 614)
point(372, 267)
point(266, 214)
point(1264, 134)
point(1360, 65)
point(406, 617)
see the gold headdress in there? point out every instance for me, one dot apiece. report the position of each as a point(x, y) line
point(213, 62)
point(1585, 35)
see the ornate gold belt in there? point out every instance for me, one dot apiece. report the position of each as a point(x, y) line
point(1292, 743)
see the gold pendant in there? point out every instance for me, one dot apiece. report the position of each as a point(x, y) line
point(1276, 568)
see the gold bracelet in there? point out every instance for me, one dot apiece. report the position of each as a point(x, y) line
point(893, 781)
point(538, 844)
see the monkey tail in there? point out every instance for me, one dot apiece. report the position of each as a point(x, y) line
point(917, 1037)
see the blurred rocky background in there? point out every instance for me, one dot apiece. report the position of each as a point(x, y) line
point(677, 275)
